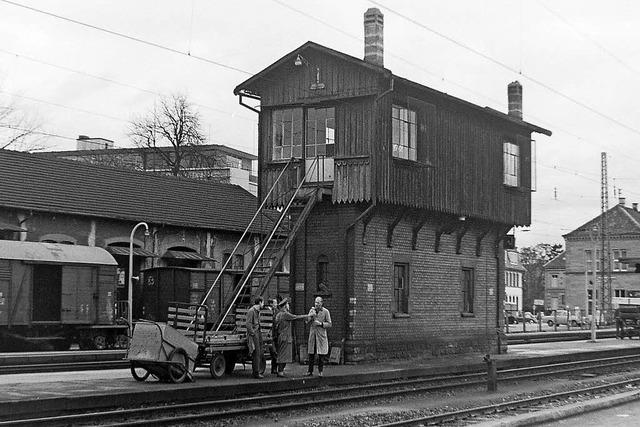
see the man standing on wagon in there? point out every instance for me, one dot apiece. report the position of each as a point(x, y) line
point(254, 337)
point(318, 344)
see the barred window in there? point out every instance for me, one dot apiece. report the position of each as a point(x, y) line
point(401, 288)
point(467, 290)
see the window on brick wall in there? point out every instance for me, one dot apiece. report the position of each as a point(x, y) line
point(400, 288)
point(554, 280)
point(617, 265)
point(467, 290)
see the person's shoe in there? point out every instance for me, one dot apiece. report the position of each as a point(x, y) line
point(319, 374)
point(281, 374)
point(309, 374)
point(274, 372)
point(259, 377)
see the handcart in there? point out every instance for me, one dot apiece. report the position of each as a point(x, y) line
point(159, 350)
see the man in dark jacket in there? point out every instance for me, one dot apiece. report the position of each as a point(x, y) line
point(273, 347)
point(254, 337)
point(285, 339)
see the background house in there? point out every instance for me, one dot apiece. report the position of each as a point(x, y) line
point(513, 272)
point(554, 283)
point(623, 225)
point(212, 162)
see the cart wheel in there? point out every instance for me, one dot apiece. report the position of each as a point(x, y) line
point(138, 372)
point(100, 342)
point(177, 374)
point(231, 363)
point(218, 366)
point(550, 323)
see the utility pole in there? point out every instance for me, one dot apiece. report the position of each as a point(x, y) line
point(605, 249)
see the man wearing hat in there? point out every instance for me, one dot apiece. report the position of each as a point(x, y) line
point(285, 339)
point(273, 347)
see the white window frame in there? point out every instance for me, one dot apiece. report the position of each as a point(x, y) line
point(511, 164)
point(404, 133)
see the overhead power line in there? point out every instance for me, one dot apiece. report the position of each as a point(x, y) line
point(128, 37)
point(506, 67)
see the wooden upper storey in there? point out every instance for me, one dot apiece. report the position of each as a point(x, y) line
point(381, 138)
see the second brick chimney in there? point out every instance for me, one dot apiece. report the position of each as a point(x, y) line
point(514, 94)
point(373, 40)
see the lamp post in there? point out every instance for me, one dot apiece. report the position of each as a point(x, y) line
point(130, 293)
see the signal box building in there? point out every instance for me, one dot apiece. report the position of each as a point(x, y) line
point(412, 191)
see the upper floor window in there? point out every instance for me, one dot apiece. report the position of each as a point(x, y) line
point(617, 264)
point(287, 133)
point(511, 169)
point(321, 132)
point(554, 280)
point(404, 133)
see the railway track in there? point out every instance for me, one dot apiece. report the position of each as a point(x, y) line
point(34, 362)
point(217, 410)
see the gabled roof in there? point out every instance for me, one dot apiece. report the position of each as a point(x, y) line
point(246, 85)
point(37, 183)
point(621, 221)
point(557, 263)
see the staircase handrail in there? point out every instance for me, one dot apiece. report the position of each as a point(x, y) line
point(246, 276)
point(264, 201)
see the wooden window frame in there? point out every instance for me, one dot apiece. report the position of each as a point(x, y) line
point(467, 291)
point(398, 124)
point(511, 165)
point(401, 294)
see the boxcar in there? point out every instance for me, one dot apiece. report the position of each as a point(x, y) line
point(52, 295)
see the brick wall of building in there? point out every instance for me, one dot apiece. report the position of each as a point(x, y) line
point(361, 282)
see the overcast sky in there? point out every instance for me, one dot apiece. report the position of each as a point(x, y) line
point(579, 63)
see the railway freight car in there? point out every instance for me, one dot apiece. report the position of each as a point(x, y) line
point(52, 295)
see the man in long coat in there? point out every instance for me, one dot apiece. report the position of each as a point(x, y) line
point(273, 347)
point(285, 339)
point(254, 337)
point(318, 344)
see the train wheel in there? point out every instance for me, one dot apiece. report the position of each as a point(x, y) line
point(100, 342)
point(218, 366)
point(231, 363)
point(178, 372)
point(139, 373)
point(121, 341)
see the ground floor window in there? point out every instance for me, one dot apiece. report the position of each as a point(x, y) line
point(467, 290)
point(400, 288)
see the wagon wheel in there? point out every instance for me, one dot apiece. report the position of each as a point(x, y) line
point(178, 373)
point(550, 323)
point(100, 342)
point(231, 363)
point(138, 372)
point(218, 366)
point(122, 341)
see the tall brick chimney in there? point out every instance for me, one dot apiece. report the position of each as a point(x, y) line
point(373, 39)
point(622, 201)
point(514, 94)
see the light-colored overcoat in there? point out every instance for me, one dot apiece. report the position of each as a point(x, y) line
point(318, 333)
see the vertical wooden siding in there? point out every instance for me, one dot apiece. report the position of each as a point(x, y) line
point(465, 151)
point(290, 84)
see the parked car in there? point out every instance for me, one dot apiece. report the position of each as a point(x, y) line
point(513, 318)
point(562, 317)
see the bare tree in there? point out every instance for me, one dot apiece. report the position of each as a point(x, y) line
point(173, 132)
point(18, 131)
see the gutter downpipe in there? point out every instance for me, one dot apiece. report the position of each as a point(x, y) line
point(360, 217)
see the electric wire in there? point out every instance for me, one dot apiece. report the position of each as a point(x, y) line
point(128, 37)
point(506, 67)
